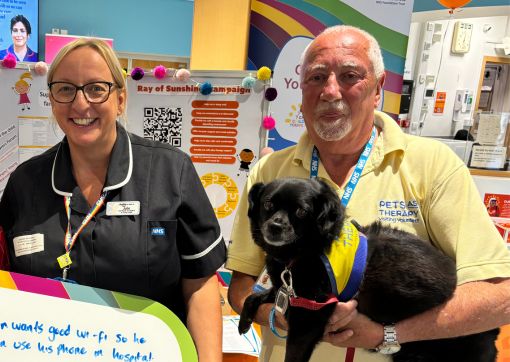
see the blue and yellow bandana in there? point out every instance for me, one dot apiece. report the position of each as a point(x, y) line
point(345, 262)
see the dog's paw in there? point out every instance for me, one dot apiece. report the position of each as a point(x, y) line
point(244, 325)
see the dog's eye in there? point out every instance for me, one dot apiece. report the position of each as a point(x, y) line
point(268, 205)
point(301, 213)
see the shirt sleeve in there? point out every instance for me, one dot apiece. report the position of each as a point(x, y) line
point(199, 238)
point(458, 224)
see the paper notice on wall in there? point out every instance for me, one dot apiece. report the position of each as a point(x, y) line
point(491, 157)
point(492, 129)
point(8, 153)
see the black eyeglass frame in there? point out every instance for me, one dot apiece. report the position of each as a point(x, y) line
point(82, 88)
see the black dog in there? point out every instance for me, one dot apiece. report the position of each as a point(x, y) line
point(295, 221)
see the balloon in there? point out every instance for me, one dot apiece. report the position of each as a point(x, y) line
point(453, 4)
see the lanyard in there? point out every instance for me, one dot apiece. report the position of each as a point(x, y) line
point(65, 260)
point(356, 174)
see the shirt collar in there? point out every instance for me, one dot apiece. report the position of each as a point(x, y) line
point(119, 168)
point(390, 139)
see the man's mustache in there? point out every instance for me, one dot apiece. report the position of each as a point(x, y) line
point(339, 106)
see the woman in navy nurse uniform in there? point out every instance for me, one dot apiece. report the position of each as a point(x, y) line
point(109, 209)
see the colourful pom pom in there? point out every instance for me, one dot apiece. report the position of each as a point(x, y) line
point(124, 73)
point(266, 151)
point(159, 72)
point(248, 82)
point(270, 94)
point(9, 61)
point(206, 88)
point(264, 73)
point(41, 68)
point(268, 122)
point(182, 75)
point(137, 73)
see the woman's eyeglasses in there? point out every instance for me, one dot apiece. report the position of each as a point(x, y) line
point(94, 92)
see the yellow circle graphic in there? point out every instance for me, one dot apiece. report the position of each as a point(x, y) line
point(216, 178)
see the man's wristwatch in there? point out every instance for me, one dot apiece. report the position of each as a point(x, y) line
point(390, 344)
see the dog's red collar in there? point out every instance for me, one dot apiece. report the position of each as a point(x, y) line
point(311, 304)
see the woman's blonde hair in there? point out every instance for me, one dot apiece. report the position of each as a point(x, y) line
point(101, 48)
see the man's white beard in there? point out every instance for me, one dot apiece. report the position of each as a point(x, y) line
point(337, 129)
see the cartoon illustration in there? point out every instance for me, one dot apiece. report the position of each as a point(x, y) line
point(245, 158)
point(493, 207)
point(22, 87)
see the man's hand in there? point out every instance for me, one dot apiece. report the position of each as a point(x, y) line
point(348, 328)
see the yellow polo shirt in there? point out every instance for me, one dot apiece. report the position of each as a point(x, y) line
point(416, 184)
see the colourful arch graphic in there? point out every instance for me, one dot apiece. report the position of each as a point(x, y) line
point(273, 23)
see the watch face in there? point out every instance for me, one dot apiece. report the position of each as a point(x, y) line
point(389, 349)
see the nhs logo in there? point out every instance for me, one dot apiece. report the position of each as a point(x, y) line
point(158, 231)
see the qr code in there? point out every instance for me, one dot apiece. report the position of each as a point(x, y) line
point(163, 124)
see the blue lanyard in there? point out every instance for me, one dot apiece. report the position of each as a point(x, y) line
point(356, 174)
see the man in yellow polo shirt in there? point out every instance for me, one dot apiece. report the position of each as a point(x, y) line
point(412, 183)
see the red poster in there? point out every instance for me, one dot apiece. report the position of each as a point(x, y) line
point(498, 207)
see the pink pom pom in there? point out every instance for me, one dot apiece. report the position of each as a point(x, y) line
point(182, 74)
point(268, 122)
point(41, 68)
point(9, 61)
point(266, 151)
point(159, 72)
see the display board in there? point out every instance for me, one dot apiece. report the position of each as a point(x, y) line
point(59, 321)
point(221, 131)
point(25, 125)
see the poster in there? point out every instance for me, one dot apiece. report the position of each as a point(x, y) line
point(498, 208)
point(26, 128)
point(439, 102)
point(78, 323)
point(220, 131)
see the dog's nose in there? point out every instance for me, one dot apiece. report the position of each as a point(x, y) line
point(275, 228)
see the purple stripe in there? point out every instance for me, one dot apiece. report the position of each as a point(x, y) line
point(312, 24)
point(358, 269)
point(393, 82)
point(273, 32)
point(50, 287)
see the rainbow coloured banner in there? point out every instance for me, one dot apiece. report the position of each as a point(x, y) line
point(48, 320)
point(276, 26)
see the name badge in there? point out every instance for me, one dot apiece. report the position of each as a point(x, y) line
point(122, 208)
point(28, 244)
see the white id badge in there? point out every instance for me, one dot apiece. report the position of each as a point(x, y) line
point(28, 244)
point(263, 282)
point(122, 208)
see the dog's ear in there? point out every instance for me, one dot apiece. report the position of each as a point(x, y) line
point(253, 198)
point(330, 211)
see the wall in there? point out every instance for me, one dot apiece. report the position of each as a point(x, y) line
point(150, 26)
point(220, 42)
point(450, 71)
